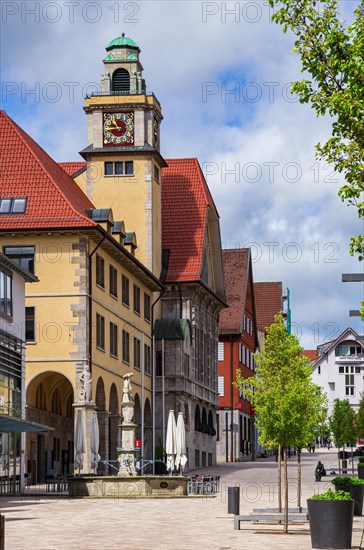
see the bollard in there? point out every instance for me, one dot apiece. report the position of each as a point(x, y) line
point(234, 500)
point(344, 466)
point(2, 532)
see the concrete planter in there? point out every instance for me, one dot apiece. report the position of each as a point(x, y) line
point(356, 493)
point(331, 523)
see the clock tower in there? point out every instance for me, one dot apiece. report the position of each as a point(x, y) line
point(123, 157)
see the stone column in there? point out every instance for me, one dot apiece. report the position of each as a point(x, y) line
point(87, 411)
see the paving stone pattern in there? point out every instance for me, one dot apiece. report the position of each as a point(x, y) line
point(193, 523)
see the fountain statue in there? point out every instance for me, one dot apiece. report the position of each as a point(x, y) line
point(127, 452)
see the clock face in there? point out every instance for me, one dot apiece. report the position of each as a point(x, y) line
point(118, 129)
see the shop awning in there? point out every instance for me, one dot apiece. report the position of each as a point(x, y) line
point(11, 424)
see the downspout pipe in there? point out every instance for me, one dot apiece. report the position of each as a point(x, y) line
point(153, 377)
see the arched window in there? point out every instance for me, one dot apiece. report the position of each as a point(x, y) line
point(121, 81)
point(211, 428)
point(197, 419)
point(204, 427)
point(56, 402)
point(40, 398)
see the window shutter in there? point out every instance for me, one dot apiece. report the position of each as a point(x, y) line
point(221, 386)
point(220, 355)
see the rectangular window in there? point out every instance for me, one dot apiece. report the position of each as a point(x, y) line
point(6, 294)
point(220, 353)
point(21, 255)
point(100, 271)
point(125, 290)
point(56, 449)
point(113, 339)
point(357, 370)
point(30, 324)
point(126, 350)
point(159, 365)
point(13, 205)
point(113, 273)
point(108, 168)
point(156, 173)
point(221, 386)
point(136, 299)
point(341, 370)
point(147, 362)
point(119, 168)
point(100, 331)
point(146, 306)
point(203, 459)
point(197, 458)
point(136, 353)
point(129, 168)
point(349, 381)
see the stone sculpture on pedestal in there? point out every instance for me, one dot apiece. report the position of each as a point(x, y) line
point(127, 451)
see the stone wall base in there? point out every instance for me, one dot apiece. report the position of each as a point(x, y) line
point(128, 487)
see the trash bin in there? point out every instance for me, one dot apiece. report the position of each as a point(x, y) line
point(234, 500)
point(344, 466)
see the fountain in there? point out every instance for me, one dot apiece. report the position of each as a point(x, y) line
point(127, 451)
point(128, 484)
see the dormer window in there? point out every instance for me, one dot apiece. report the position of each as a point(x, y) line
point(348, 348)
point(121, 81)
point(13, 205)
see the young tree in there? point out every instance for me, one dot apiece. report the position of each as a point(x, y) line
point(287, 404)
point(343, 425)
point(332, 57)
point(360, 417)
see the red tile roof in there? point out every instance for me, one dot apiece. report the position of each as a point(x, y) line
point(185, 200)
point(26, 170)
point(268, 302)
point(311, 354)
point(236, 271)
point(72, 167)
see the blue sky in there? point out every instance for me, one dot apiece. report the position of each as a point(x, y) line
point(256, 145)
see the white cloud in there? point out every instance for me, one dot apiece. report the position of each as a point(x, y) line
point(262, 202)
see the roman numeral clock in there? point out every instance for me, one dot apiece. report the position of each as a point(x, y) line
point(118, 129)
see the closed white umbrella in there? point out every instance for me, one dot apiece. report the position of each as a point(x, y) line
point(181, 457)
point(95, 441)
point(171, 443)
point(79, 446)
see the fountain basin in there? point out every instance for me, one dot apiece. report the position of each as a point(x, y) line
point(128, 487)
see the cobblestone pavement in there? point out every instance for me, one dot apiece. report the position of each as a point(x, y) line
point(192, 523)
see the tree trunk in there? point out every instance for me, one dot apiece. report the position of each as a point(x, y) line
point(352, 460)
point(338, 457)
point(279, 480)
point(299, 480)
point(285, 525)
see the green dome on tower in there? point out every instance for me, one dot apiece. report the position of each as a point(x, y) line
point(122, 42)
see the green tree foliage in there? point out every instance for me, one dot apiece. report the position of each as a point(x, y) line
point(332, 57)
point(360, 417)
point(343, 423)
point(288, 405)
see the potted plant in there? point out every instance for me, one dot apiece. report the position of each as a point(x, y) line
point(355, 487)
point(361, 467)
point(331, 519)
